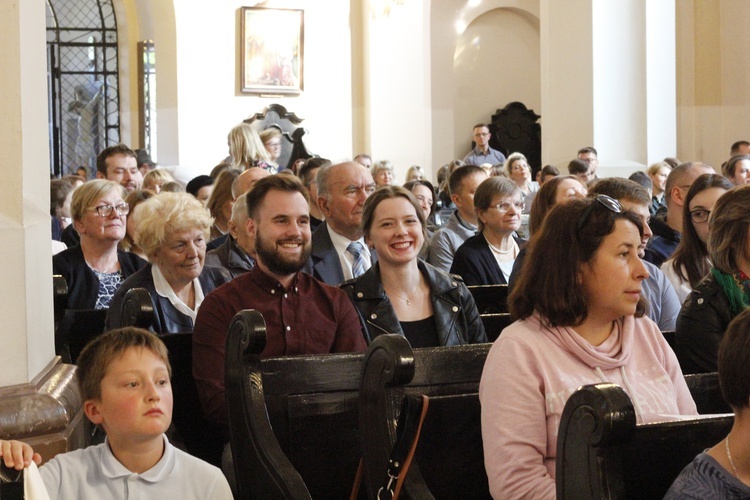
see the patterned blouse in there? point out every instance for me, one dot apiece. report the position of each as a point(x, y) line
point(108, 285)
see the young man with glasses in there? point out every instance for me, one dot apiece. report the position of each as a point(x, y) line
point(483, 153)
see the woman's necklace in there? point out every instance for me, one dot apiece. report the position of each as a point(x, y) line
point(729, 456)
point(501, 252)
point(409, 296)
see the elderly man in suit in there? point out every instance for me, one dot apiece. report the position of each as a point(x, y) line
point(339, 252)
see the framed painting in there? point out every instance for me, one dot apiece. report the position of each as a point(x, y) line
point(272, 50)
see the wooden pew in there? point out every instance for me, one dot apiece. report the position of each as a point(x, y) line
point(294, 428)
point(490, 299)
point(59, 297)
point(76, 329)
point(202, 438)
point(494, 324)
point(450, 377)
point(602, 453)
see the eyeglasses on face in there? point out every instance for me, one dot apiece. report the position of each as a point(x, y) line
point(699, 215)
point(106, 210)
point(505, 207)
point(603, 200)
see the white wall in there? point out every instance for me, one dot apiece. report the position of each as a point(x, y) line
point(713, 78)
point(497, 61)
point(204, 101)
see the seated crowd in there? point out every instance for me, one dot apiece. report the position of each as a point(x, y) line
point(334, 255)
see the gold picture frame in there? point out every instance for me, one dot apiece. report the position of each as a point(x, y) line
point(272, 51)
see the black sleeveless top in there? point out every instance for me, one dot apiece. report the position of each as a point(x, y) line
point(421, 333)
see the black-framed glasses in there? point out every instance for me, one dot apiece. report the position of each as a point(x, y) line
point(699, 215)
point(106, 210)
point(600, 199)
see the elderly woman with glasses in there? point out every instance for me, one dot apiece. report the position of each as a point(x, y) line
point(725, 291)
point(171, 229)
point(579, 320)
point(95, 268)
point(488, 257)
point(519, 171)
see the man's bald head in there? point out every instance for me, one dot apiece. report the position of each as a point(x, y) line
point(682, 177)
point(246, 179)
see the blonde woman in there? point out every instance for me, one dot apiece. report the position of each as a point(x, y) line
point(95, 269)
point(247, 149)
point(172, 231)
point(155, 179)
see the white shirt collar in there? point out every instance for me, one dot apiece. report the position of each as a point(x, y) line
point(112, 468)
point(165, 290)
point(340, 243)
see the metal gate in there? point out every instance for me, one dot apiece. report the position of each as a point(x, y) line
point(82, 82)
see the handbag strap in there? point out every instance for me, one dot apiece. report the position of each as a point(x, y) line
point(413, 412)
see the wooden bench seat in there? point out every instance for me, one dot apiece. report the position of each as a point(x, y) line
point(602, 453)
point(294, 427)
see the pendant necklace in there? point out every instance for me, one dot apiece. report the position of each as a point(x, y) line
point(729, 456)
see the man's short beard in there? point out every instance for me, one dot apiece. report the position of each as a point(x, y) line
point(274, 261)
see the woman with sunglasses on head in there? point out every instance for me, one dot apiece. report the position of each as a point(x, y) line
point(690, 263)
point(94, 269)
point(724, 292)
point(488, 257)
point(579, 320)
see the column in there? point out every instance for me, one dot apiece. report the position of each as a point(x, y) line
point(38, 400)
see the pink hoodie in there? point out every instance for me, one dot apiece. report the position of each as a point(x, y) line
point(531, 371)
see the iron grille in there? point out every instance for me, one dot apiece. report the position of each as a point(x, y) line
point(83, 85)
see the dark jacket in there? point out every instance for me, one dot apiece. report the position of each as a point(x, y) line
point(476, 264)
point(167, 319)
point(83, 285)
point(456, 317)
point(703, 319)
point(230, 257)
point(663, 244)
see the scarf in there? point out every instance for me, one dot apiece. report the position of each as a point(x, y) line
point(736, 287)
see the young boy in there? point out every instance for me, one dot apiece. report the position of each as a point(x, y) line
point(463, 183)
point(124, 380)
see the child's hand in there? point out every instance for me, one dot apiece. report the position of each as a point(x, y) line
point(18, 455)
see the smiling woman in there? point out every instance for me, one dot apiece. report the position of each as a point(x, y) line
point(402, 294)
point(172, 229)
point(580, 321)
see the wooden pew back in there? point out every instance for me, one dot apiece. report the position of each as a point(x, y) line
point(449, 461)
point(490, 299)
point(602, 453)
point(293, 420)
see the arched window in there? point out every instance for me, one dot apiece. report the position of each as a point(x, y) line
point(82, 82)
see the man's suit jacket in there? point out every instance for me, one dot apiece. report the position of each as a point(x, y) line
point(326, 265)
